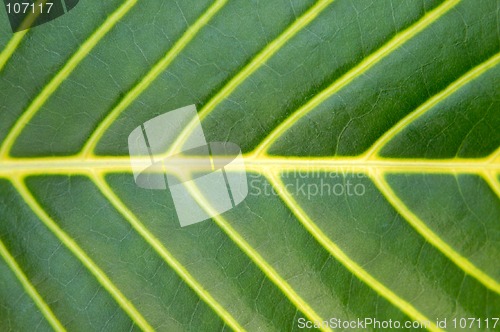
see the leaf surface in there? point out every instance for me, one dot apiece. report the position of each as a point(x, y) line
point(369, 131)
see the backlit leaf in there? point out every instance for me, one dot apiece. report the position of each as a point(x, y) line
point(370, 135)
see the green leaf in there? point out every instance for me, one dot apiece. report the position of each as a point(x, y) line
point(370, 137)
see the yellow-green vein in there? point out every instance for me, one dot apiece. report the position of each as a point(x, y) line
point(367, 63)
point(11, 47)
point(71, 165)
point(103, 279)
point(164, 253)
point(472, 74)
point(65, 71)
point(492, 181)
point(157, 69)
point(250, 68)
point(267, 269)
point(342, 257)
point(30, 289)
point(431, 237)
point(18, 36)
point(495, 156)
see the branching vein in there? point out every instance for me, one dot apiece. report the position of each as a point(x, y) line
point(420, 226)
point(65, 71)
point(181, 271)
point(145, 82)
point(342, 257)
point(103, 279)
point(355, 72)
point(30, 289)
point(430, 103)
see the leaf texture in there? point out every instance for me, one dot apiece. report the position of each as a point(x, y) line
point(369, 131)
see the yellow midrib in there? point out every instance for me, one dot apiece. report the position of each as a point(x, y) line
point(69, 165)
point(122, 164)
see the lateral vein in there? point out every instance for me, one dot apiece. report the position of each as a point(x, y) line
point(150, 77)
point(121, 164)
point(367, 63)
point(16, 39)
point(57, 80)
point(261, 58)
point(30, 289)
point(495, 156)
point(11, 47)
point(463, 263)
point(343, 258)
point(103, 279)
point(265, 267)
point(472, 74)
point(493, 181)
